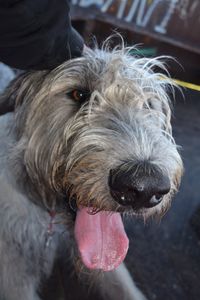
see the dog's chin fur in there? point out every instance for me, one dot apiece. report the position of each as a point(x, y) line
point(53, 146)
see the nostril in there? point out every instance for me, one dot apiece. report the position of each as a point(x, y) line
point(162, 192)
point(154, 201)
point(158, 196)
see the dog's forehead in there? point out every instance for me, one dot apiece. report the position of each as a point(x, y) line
point(101, 62)
point(120, 67)
point(101, 67)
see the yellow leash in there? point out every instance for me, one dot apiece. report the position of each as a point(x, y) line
point(187, 85)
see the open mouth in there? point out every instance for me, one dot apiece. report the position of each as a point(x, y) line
point(100, 237)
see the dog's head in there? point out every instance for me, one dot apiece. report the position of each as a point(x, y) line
point(98, 129)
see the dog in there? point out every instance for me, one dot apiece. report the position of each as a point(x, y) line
point(86, 143)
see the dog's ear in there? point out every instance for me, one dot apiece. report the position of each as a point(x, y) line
point(9, 96)
point(26, 84)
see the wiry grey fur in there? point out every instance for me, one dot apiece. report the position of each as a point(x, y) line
point(53, 147)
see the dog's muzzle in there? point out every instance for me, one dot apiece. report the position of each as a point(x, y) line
point(139, 186)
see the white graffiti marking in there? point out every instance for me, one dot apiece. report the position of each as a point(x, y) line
point(140, 10)
point(141, 13)
point(143, 19)
point(162, 27)
point(121, 9)
point(106, 5)
point(132, 11)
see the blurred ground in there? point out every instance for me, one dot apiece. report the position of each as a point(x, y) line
point(165, 258)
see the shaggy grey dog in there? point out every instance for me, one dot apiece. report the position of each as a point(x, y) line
point(87, 142)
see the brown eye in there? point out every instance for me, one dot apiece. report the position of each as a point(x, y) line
point(79, 95)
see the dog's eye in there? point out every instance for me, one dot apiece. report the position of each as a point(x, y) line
point(79, 95)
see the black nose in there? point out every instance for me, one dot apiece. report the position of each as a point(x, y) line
point(140, 185)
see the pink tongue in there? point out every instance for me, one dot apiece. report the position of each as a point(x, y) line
point(101, 239)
